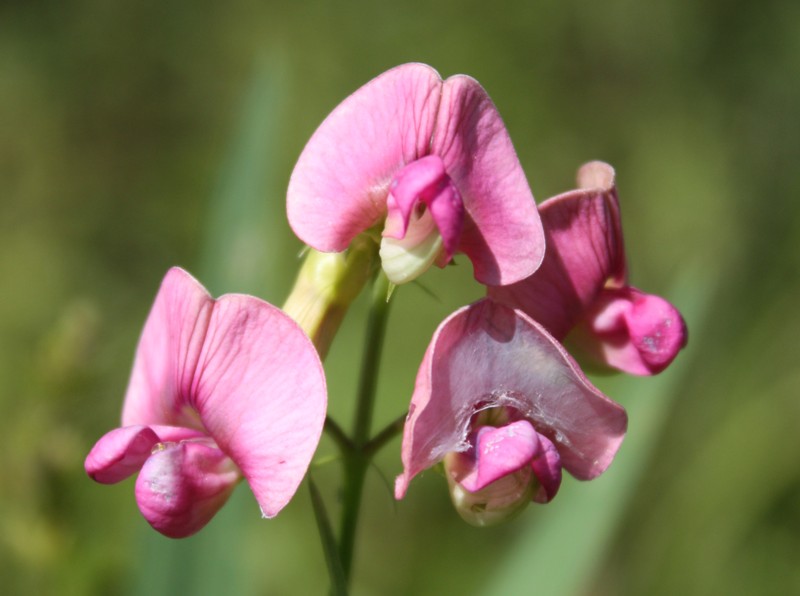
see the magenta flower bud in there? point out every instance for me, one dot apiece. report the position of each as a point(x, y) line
point(632, 331)
point(581, 291)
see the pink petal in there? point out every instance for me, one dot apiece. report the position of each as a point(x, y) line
point(182, 485)
point(584, 252)
point(489, 355)
point(260, 391)
point(167, 354)
point(340, 183)
point(237, 369)
point(546, 466)
point(632, 331)
point(120, 453)
point(502, 233)
point(426, 181)
point(500, 451)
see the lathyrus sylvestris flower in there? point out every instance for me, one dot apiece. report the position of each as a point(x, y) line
point(582, 287)
point(220, 390)
point(501, 402)
point(429, 165)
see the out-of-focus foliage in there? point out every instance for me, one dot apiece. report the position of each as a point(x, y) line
point(138, 135)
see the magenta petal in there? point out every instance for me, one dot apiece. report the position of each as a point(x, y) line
point(447, 211)
point(489, 355)
point(426, 181)
point(120, 453)
point(340, 183)
point(182, 485)
point(260, 392)
point(584, 251)
point(501, 451)
point(502, 232)
point(632, 331)
point(546, 467)
point(418, 181)
point(167, 354)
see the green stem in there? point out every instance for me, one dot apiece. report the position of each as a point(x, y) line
point(326, 286)
point(336, 433)
point(335, 572)
point(356, 460)
point(386, 435)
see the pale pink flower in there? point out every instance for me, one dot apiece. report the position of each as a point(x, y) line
point(505, 406)
point(427, 163)
point(220, 390)
point(582, 287)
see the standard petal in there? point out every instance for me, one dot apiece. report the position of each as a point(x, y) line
point(502, 232)
point(182, 485)
point(488, 355)
point(167, 354)
point(260, 392)
point(584, 253)
point(339, 185)
point(632, 331)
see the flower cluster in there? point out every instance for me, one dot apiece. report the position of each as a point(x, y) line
point(407, 172)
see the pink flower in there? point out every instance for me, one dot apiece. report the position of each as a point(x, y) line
point(504, 405)
point(220, 390)
point(582, 285)
point(430, 164)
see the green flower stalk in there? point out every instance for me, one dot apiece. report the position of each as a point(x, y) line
point(327, 285)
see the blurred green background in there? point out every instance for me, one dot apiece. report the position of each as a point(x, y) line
point(139, 135)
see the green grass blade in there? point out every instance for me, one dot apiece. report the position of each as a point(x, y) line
point(234, 260)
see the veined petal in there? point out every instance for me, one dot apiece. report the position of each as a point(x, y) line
point(167, 354)
point(632, 331)
point(182, 485)
point(339, 185)
point(487, 355)
point(502, 233)
point(584, 253)
point(238, 370)
point(260, 392)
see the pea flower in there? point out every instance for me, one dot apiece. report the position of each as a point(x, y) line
point(220, 390)
point(501, 402)
point(430, 165)
point(582, 287)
